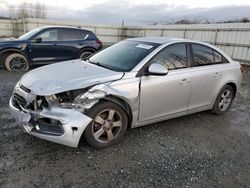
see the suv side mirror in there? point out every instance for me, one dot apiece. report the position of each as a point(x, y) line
point(37, 40)
point(157, 69)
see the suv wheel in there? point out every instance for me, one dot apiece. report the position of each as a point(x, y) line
point(16, 62)
point(84, 55)
point(108, 126)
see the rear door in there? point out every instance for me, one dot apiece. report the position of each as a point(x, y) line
point(207, 72)
point(168, 94)
point(70, 41)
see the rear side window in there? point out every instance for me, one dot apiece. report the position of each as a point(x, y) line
point(91, 35)
point(71, 34)
point(172, 57)
point(203, 55)
point(218, 58)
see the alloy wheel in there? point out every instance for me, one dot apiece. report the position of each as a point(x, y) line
point(106, 125)
point(85, 55)
point(225, 100)
point(18, 64)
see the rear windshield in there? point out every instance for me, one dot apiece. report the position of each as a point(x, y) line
point(123, 56)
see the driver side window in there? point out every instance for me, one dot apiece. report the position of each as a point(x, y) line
point(172, 57)
point(49, 35)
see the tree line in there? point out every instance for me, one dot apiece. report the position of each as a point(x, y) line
point(202, 21)
point(27, 10)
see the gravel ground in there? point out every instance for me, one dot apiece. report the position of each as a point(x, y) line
point(199, 150)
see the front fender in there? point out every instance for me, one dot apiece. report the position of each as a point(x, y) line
point(17, 50)
point(126, 90)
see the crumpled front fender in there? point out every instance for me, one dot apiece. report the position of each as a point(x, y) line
point(126, 90)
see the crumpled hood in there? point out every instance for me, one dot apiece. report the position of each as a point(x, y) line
point(65, 76)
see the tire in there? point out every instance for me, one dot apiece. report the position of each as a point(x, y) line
point(16, 62)
point(223, 100)
point(98, 132)
point(85, 54)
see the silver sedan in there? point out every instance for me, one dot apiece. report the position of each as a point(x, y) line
point(135, 82)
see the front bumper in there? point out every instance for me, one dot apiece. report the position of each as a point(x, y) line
point(71, 123)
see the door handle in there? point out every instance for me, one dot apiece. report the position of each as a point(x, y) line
point(184, 81)
point(217, 74)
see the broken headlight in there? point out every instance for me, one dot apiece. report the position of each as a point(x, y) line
point(52, 99)
point(81, 102)
point(91, 95)
point(88, 99)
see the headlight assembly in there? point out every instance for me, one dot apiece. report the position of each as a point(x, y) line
point(81, 102)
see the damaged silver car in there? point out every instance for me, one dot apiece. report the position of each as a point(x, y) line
point(132, 83)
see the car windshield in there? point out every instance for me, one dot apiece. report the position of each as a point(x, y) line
point(28, 35)
point(123, 56)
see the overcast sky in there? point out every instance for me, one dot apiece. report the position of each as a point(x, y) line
point(138, 11)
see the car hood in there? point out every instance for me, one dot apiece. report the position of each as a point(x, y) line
point(8, 39)
point(4, 41)
point(65, 76)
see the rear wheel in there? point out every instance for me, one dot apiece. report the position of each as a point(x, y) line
point(16, 62)
point(85, 54)
point(224, 100)
point(108, 126)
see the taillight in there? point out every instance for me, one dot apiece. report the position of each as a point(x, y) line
point(241, 69)
point(99, 42)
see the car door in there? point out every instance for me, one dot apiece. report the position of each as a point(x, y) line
point(165, 95)
point(207, 72)
point(70, 41)
point(43, 49)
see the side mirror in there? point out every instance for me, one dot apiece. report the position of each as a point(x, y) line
point(37, 40)
point(157, 69)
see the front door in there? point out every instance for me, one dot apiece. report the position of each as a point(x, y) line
point(45, 50)
point(165, 95)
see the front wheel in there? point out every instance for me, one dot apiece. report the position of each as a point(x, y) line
point(224, 100)
point(16, 62)
point(108, 126)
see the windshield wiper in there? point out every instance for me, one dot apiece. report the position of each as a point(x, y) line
point(102, 65)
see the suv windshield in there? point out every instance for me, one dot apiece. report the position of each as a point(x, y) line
point(123, 56)
point(28, 35)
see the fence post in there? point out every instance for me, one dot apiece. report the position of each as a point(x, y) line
point(123, 30)
point(24, 25)
point(184, 33)
point(215, 36)
point(13, 27)
point(162, 32)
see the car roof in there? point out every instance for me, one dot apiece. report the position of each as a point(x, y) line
point(63, 27)
point(158, 40)
point(166, 40)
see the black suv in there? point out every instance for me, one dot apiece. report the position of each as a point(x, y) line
point(46, 45)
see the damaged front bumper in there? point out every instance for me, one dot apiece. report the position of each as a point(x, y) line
point(55, 124)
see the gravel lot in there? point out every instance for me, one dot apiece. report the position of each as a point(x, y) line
point(199, 150)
